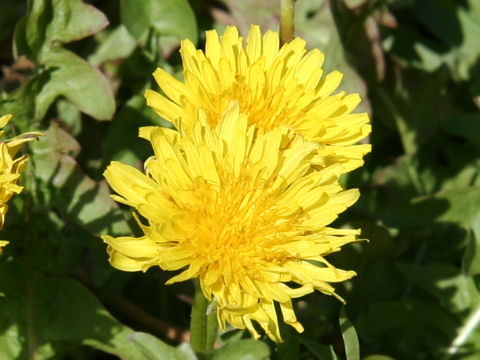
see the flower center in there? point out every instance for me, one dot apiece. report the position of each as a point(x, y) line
point(238, 227)
point(268, 107)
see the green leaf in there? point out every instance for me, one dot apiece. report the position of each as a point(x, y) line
point(378, 357)
point(466, 125)
point(74, 194)
point(70, 116)
point(440, 22)
point(118, 44)
point(52, 21)
point(28, 102)
point(50, 311)
point(243, 350)
point(445, 282)
point(454, 28)
point(350, 338)
point(66, 75)
point(457, 206)
point(321, 351)
point(471, 257)
point(80, 83)
point(155, 349)
point(432, 324)
point(167, 17)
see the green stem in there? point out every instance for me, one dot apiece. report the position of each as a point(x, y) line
point(287, 15)
point(203, 326)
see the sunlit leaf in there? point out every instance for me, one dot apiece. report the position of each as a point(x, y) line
point(242, 350)
point(117, 44)
point(471, 257)
point(350, 338)
point(457, 206)
point(55, 21)
point(80, 83)
point(155, 349)
point(445, 282)
point(167, 17)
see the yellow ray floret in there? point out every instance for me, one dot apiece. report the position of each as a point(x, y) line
point(239, 209)
point(10, 168)
point(273, 85)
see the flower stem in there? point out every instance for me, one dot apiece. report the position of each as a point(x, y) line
point(287, 15)
point(203, 326)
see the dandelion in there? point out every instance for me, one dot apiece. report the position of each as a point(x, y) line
point(239, 207)
point(274, 86)
point(10, 168)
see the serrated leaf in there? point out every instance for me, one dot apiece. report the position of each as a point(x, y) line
point(52, 21)
point(445, 282)
point(349, 335)
point(455, 29)
point(80, 83)
point(457, 206)
point(167, 17)
point(243, 350)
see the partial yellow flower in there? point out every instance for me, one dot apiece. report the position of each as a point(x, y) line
point(242, 210)
point(274, 86)
point(10, 168)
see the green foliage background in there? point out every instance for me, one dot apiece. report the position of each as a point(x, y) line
point(77, 72)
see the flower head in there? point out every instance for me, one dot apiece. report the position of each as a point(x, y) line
point(10, 168)
point(239, 208)
point(274, 86)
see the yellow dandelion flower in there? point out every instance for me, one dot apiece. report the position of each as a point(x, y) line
point(242, 210)
point(10, 168)
point(273, 85)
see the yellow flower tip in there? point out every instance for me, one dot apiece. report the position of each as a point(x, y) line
point(5, 119)
point(242, 210)
point(273, 85)
point(11, 166)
